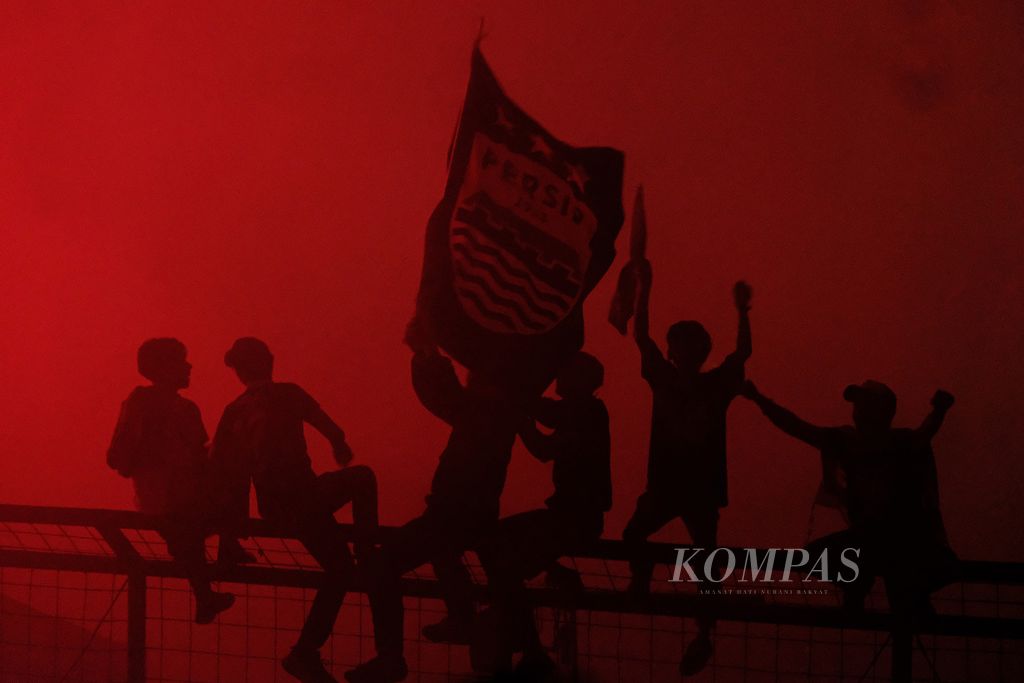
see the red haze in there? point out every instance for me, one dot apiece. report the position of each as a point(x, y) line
point(211, 171)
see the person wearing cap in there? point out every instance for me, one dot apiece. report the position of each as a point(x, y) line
point(686, 469)
point(160, 443)
point(889, 487)
point(260, 438)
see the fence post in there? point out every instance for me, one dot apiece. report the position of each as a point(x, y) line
point(136, 627)
point(902, 651)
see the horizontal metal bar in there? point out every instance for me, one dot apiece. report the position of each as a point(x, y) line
point(972, 571)
point(726, 608)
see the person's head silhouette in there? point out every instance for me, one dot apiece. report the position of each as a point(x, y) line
point(251, 360)
point(164, 362)
point(874, 405)
point(689, 345)
point(581, 376)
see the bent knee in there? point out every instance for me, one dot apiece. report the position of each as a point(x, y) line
point(362, 476)
point(633, 534)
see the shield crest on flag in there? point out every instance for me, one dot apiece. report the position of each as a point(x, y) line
point(519, 239)
point(525, 230)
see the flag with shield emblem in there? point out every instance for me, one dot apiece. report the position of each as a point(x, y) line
point(525, 230)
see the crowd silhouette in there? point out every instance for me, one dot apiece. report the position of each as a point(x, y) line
point(883, 477)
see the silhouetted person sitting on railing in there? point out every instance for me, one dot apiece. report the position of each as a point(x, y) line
point(462, 505)
point(161, 444)
point(686, 470)
point(260, 437)
point(523, 545)
point(891, 494)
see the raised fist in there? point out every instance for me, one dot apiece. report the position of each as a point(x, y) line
point(942, 400)
point(741, 294)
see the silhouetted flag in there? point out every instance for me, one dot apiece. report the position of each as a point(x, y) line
point(624, 299)
point(525, 229)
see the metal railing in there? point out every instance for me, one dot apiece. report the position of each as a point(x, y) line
point(124, 543)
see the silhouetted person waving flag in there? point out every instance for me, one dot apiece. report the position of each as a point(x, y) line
point(891, 493)
point(523, 233)
point(161, 444)
point(686, 469)
point(261, 437)
point(463, 502)
point(523, 545)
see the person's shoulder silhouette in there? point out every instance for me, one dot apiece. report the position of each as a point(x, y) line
point(157, 427)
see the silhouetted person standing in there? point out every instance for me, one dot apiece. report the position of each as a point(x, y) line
point(261, 437)
point(161, 444)
point(523, 545)
point(463, 502)
point(891, 493)
point(686, 469)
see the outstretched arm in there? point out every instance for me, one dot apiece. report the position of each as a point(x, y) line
point(433, 376)
point(541, 446)
point(786, 420)
point(653, 366)
point(942, 401)
point(437, 386)
point(546, 411)
point(322, 422)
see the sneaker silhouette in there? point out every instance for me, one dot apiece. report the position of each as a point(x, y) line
point(697, 654)
point(231, 553)
point(563, 578)
point(208, 609)
point(307, 666)
point(449, 630)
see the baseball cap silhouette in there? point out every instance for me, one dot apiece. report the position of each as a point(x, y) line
point(873, 395)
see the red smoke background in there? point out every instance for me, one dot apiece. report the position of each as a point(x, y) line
point(209, 171)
